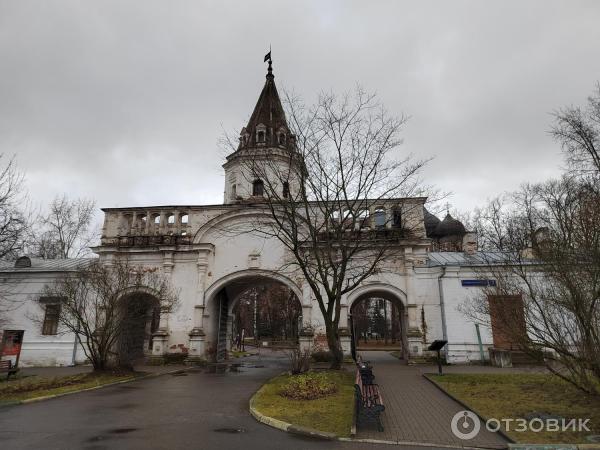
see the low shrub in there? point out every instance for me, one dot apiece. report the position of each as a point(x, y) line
point(299, 361)
point(322, 356)
point(175, 358)
point(309, 386)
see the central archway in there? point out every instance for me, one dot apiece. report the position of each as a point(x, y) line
point(240, 291)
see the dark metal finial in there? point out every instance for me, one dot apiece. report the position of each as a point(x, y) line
point(268, 58)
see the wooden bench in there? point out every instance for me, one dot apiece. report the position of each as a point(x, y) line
point(6, 366)
point(366, 370)
point(369, 403)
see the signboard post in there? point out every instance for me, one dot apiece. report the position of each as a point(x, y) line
point(436, 346)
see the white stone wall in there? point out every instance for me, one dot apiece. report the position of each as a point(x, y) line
point(462, 336)
point(37, 349)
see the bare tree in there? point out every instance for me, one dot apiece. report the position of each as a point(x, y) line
point(14, 223)
point(549, 276)
point(67, 230)
point(101, 303)
point(578, 131)
point(318, 198)
point(13, 219)
point(551, 264)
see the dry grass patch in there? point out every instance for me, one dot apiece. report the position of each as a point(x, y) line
point(35, 386)
point(515, 395)
point(332, 412)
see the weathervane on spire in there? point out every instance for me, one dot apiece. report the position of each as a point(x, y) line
point(268, 58)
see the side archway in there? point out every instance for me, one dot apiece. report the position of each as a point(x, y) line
point(378, 318)
point(139, 312)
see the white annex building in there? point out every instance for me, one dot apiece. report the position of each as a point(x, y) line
point(436, 272)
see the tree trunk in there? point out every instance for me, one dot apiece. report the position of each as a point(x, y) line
point(333, 341)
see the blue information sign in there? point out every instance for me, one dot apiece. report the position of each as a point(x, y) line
point(478, 282)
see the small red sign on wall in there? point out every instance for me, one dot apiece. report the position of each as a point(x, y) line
point(10, 347)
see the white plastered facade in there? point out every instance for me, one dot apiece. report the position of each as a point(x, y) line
point(193, 246)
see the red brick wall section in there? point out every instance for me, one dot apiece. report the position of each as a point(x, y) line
point(507, 320)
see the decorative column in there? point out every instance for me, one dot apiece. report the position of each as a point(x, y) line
point(414, 335)
point(120, 227)
point(162, 226)
point(344, 332)
point(306, 336)
point(175, 226)
point(306, 339)
point(160, 341)
point(197, 341)
point(148, 223)
point(197, 347)
point(168, 263)
point(160, 338)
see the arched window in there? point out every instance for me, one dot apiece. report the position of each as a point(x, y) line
point(379, 218)
point(184, 218)
point(258, 188)
point(286, 189)
point(233, 191)
point(260, 136)
point(281, 139)
point(171, 219)
point(156, 219)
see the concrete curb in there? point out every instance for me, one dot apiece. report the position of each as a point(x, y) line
point(467, 407)
point(414, 444)
point(93, 388)
point(285, 426)
point(553, 446)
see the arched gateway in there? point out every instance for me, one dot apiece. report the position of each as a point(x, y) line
point(223, 296)
point(211, 262)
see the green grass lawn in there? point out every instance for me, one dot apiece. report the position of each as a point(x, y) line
point(34, 386)
point(512, 395)
point(332, 414)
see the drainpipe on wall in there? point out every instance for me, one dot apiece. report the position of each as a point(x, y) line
point(74, 356)
point(443, 311)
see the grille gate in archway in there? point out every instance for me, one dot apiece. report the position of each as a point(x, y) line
point(228, 304)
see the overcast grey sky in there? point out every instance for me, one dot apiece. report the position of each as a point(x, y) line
point(124, 101)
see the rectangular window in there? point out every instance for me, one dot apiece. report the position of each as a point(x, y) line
point(50, 326)
point(258, 188)
point(397, 222)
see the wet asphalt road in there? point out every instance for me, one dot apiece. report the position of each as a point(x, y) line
point(194, 410)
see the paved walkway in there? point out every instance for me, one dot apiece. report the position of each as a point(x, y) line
point(416, 410)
